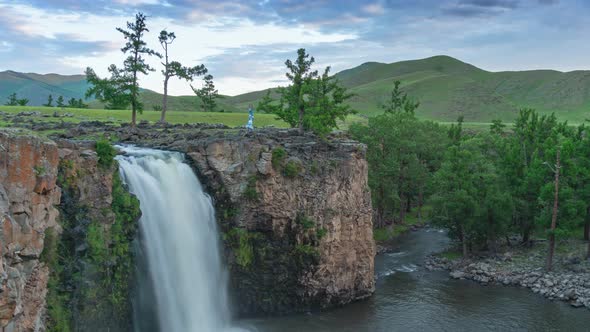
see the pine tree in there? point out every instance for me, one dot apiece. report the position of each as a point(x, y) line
point(122, 88)
point(60, 102)
point(399, 101)
point(49, 101)
point(310, 101)
point(208, 94)
point(12, 100)
point(135, 63)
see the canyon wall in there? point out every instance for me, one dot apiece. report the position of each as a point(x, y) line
point(294, 212)
point(28, 196)
point(296, 218)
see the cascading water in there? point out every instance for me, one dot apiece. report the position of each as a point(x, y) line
point(179, 239)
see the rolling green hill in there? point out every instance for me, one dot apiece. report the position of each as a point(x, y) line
point(37, 87)
point(446, 88)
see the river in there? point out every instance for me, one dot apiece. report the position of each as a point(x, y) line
point(410, 298)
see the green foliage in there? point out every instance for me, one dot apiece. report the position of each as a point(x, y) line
point(310, 102)
point(174, 69)
point(403, 153)
point(122, 88)
point(49, 101)
point(96, 240)
point(291, 169)
point(242, 243)
point(22, 102)
point(278, 156)
point(50, 243)
point(127, 212)
point(12, 100)
point(250, 193)
point(400, 102)
point(106, 153)
point(321, 232)
point(39, 170)
point(60, 99)
point(451, 254)
point(305, 222)
point(306, 254)
point(76, 103)
point(383, 234)
point(113, 92)
point(208, 94)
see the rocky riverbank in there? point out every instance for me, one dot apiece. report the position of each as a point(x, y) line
point(569, 282)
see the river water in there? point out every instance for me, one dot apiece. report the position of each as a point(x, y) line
point(410, 298)
point(181, 284)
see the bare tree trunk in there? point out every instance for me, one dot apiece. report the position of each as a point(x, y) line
point(165, 98)
point(526, 234)
point(587, 233)
point(402, 208)
point(301, 113)
point(135, 94)
point(464, 243)
point(549, 265)
point(587, 228)
point(491, 234)
point(420, 202)
point(133, 115)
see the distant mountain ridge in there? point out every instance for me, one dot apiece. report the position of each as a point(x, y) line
point(36, 87)
point(445, 86)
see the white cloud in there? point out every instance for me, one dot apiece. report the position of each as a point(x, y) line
point(6, 46)
point(195, 42)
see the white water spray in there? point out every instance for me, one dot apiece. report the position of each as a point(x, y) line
point(180, 239)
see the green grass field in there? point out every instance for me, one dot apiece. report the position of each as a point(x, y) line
point(121, 116)
point(175, 117)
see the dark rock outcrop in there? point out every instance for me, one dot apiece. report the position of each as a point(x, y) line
point(295, 212)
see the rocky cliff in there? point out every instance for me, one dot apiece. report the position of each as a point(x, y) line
point(295, 212)
point(65, 241)
point(297, 216)
point(28, 196)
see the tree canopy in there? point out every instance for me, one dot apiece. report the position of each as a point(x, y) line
point(311, 101)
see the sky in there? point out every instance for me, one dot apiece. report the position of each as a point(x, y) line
point(244, 44)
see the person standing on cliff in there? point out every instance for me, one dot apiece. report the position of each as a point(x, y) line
point(250, 124)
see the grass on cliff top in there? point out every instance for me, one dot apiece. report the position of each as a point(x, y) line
point(123, 116)
point(229, 119)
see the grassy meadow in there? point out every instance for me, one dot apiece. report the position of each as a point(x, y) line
point(123, 116)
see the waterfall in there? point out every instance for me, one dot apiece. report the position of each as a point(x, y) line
point(179, 240)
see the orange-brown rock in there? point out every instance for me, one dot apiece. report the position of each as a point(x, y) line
point(28, 194)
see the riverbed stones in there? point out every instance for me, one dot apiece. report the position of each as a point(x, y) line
point(570, 287)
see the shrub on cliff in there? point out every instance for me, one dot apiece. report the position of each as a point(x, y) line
point(106, 153)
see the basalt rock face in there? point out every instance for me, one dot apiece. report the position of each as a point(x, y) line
point(95, 260)
point(65, 221)
point(28, 194)
point(295, 213)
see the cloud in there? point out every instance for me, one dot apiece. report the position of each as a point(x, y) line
point(245, 43)
point(480, 8)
